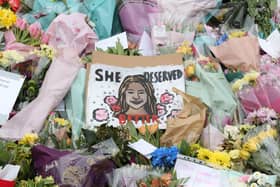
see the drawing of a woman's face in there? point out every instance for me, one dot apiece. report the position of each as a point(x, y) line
point(136, 96)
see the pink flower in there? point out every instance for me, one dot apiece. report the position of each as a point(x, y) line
point(166, 98)
point(100, 114)
point(110, 100)
point(161, 110)
point(244, 178)
point(45, 38)
point(14, 4)
point(35, 30)
point(21, 23)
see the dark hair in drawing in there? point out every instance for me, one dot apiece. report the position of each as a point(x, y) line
point(150, 105)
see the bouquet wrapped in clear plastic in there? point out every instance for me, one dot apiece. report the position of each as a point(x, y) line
point(263, 145)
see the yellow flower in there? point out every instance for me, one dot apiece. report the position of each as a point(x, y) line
point(195, 147)
point(245, 155)
point(190, 70)
point(61, 121)
point(151, 128)
point(204, 154)
point(272, 132)
point(7, 18)
point(251, 76)
point(45, 51)
point(250, 146)
point(262, 135)
point(10, 56)
point(234, 154)
point(185, 48)
point(237, 85)
point(237, 34)
point(220, 159)
point(29, 139)
point(200, 28)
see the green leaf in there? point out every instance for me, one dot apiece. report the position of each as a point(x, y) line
point(90, 136)
point(185, 148)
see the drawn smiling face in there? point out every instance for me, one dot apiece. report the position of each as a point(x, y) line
point(136, 96)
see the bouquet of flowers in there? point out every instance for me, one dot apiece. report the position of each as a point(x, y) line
point(263, 145)
point(261, 116)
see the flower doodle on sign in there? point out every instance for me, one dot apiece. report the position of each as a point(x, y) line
point(100, 114)
point(161, 109)
point(166, 98)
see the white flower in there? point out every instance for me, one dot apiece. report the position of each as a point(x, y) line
point(254, 185)
point(261, 181)
point(231, 132)
point(257, 175)
point(251, 179)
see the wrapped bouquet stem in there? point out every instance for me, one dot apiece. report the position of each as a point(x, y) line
point(57, 82)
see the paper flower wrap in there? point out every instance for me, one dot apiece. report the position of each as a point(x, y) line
point(59, 76)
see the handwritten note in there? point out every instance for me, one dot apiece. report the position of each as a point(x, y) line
point(143, 147)
point(111, 42)
point(10, 85)
point(199, 175)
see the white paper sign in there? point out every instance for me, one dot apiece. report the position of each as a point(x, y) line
point(199, 175)
point(9, 172)
point(143, 147)
point(10, 85)
point(139, 94)
point(271, 44)
point(111, 42)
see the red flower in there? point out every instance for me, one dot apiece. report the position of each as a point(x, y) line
point(115, 108)
point(2, 2)
point(14, 4)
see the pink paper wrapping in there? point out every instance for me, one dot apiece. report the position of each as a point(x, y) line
point(211, 138)
point(11, 44)
point(241, 53)
point(56, 84)
point(71, 30)
point(71, 36)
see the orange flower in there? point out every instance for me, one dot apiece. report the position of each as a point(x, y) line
point(156, 182)
point(151, 128)
point(142, 184)
point(166, 179)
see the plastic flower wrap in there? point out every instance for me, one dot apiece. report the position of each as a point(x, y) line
point(164, 157)
point(263, 145)
point(248, 79)
point(265, 93)
point(208, 64)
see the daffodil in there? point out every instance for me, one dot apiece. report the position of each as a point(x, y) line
point(185, 48)
point(7, 18)
point(29, 139)
point(251, 76)
point(61, 122)
point(190, 70)
point(238, 85)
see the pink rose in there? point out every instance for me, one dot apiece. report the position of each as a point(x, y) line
point(161, 110)
point(45, 38)
point(21, 23)
point(166, 98)
point(100, 114)
point(35, 30)
point(110, 100)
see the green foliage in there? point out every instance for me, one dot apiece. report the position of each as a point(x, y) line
point(184, 148)
point(12, 153)
point(37, 182)
point(119, 50)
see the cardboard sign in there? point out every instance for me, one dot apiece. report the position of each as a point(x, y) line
point(137, 89)
point(10, 85)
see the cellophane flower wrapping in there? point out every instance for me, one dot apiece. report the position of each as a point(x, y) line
point(266, 93)
point(267, 158)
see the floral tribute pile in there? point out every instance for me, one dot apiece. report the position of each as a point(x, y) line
point(226, 134)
